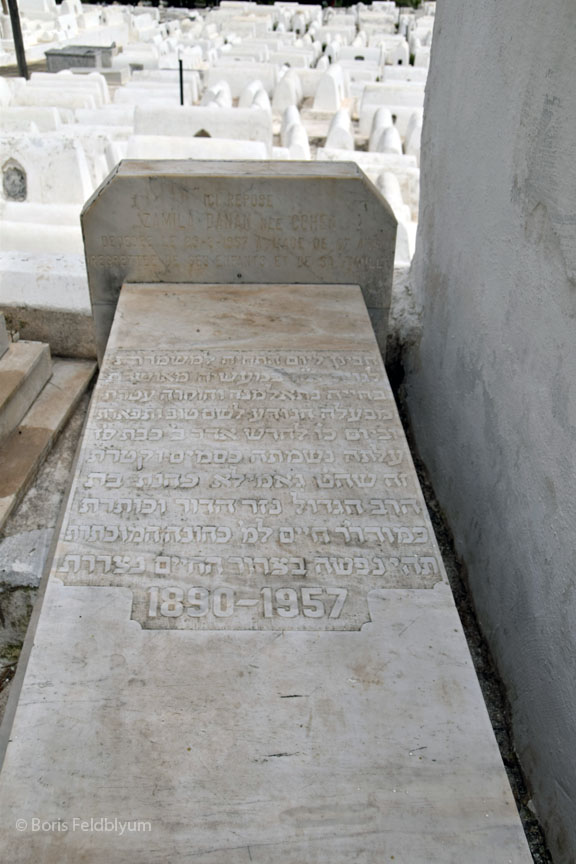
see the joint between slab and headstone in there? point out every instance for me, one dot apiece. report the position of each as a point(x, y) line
point(237, 223)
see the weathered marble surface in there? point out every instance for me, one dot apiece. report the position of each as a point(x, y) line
point(205, 660)
point(247, 474)
point(238, 222)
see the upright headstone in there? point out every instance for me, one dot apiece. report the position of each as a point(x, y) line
point(238, 222)
point(340, 134)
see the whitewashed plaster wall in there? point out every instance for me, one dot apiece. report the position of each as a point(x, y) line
point(492, 383)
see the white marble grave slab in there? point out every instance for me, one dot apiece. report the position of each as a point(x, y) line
point(248, 650)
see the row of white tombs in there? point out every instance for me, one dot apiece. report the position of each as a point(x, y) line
point(282, 82)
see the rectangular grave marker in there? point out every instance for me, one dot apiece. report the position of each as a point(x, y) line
point(233, 222)
point(248, 646)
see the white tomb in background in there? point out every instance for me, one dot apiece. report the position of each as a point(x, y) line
point(103, 112)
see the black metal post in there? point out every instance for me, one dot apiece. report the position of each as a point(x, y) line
point(181, 68)
point(17, 36)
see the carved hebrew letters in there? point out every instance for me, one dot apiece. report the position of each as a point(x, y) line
point(247, 490)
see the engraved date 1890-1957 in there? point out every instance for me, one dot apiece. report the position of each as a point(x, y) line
point(172, 601)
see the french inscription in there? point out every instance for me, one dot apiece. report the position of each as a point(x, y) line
point(246, 490)
point(303, 223)
point(236, 230)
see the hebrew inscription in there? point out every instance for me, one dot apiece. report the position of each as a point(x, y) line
point(246, 490)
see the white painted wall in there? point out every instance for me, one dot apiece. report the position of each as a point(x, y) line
point(492, 383)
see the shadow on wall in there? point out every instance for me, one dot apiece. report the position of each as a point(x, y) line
point(491, 383)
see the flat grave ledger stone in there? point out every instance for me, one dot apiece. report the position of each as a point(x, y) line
point(248, 650)
point(242, 479)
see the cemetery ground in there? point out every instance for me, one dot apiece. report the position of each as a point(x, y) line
point(24, 551)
